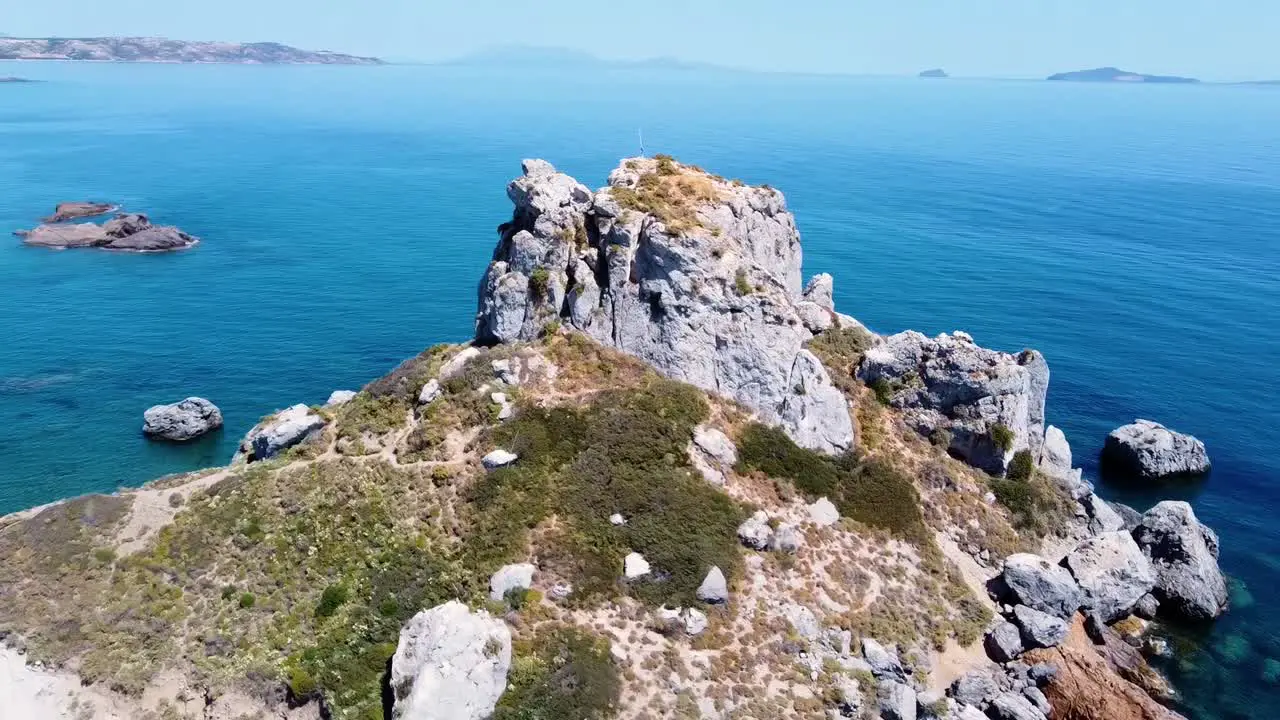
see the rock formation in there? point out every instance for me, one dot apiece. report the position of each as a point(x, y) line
point(280, 432)
point(696, 275)
point(181, 421)
point(1152, 451)
point(76, 210)
point(1038, 584)
point(990, 402)
point(1184, 553)
point(127, 231)
point(1113, 573)
point(450, 664)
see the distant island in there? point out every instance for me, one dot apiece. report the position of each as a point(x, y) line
point(14, 80)
point(164, 50)
point(1111, 74)
point(934, 73)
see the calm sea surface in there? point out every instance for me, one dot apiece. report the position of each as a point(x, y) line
point(1130, 233)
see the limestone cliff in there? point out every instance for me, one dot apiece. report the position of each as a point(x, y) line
point(697, 275)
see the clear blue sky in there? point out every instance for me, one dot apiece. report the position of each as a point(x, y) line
point(1211, 39)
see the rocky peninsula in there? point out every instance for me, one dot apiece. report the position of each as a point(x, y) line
point(667, 478)
point(164, 50)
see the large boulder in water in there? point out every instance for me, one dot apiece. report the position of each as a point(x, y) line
point(1152, 451)
point(450, 664)
point(696, 275)
point(181, 421)
point(1189, 582)
point(1113, 572)
point(991, 403)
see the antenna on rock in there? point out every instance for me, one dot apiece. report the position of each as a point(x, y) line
point(641, 132)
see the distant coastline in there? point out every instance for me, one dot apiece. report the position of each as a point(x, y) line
point(164, 50)
point(1112, 74)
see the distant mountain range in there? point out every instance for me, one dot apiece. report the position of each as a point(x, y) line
point(533, 56)
point(1111, 74)
point(164, 50)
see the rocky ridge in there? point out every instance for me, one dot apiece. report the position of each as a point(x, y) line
point(560, 518)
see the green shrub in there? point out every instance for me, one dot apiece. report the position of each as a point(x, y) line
point(539, 282)
point(1038, 504)
point(841, 349)
point(371, 413)
point(883, 390)
point(873, 492)
point(741, 284)
point(1002, 437)
point(331, 599)
point(247, 600)
point(563, 672)
point(625, 453)
point(1021, 466)
point(941, 437)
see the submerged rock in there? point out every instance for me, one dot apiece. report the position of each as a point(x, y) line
point(991, 403)
point(450, 664)
point(1152, 451)
point(1184, 553)
point(703, 285)
point(181, 421)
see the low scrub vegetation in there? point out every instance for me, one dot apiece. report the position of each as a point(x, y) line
point(1037, 504)
point(560, 672)
point(622, 453)
point(871, 492)
point(672, 194)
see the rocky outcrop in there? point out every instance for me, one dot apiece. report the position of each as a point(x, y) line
point(1152, 451)
point(182, 421)
point(450, 664)
point(1189, 583)
point(714, 588)
point(755, 532)
point(1086, 687)
point(695, 275)
point(280, 432)
point(1039, 629)
point(1041, 585)
point(127, 231)
point(518, 576)
point(1113, 572)
point(76, 210)
point(991, 403)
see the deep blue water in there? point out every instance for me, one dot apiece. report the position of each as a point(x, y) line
point(1130, 233)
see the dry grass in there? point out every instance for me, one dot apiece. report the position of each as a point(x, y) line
point(672, 193)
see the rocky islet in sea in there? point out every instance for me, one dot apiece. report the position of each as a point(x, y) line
point(591, 298)
point(131, 232)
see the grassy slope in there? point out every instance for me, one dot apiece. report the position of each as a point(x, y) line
point(303, 569)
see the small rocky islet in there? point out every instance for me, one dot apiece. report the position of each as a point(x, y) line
point(667, 478)
point(132, 232)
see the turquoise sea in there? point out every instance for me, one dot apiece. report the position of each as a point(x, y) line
point(1130, 233)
